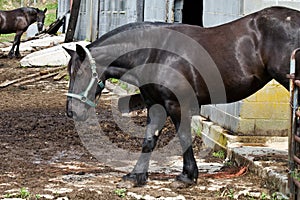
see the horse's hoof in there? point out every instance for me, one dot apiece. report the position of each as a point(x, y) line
point(139, 179)
point(125, 184)
point(185, 179)
point(179, 185)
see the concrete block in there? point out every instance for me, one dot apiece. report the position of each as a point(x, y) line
point(245, 126)
point(206, 126)
point(256, 110)
point(252, 98)
point(271, 127)
point(273, 92)
point(206, 110)
point(196, 124)
point(54, 56)
point(281, 111)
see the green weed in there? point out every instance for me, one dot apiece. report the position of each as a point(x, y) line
point(219, 154)
point(121, 192)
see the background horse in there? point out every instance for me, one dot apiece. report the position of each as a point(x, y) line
point(17, 21)
point(180, 67)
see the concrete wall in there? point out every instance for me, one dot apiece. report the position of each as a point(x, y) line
point(263, 113)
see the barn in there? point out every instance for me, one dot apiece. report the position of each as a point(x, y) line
point(99, 17)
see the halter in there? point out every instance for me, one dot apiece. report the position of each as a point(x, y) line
point(83, 97)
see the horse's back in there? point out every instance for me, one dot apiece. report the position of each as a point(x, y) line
point(13, 20)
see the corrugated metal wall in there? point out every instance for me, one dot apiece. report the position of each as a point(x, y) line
point(63, 7)
point(155, 10)
point(114, 13)
point(100, 16)
point(217, 12)
point(97, 17)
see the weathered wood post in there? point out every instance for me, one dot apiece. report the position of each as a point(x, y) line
point(73, 21)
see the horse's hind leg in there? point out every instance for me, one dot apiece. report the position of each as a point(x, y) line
point(155, 121)
point(182, 122)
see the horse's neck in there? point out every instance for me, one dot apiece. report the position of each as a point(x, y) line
point(111, 67)
point(31, 15)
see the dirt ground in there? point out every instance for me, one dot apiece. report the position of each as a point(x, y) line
point(43, 157)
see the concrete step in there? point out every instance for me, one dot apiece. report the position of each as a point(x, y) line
point(263, 155)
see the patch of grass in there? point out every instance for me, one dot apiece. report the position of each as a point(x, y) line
point(114, 80)
point(8, 4)
point(50, 14)
point(67, 78)
point(51, 6)
point(124, 86)
point(296, 175)
point(121, 192)
point(219, 154)
point(197, 130)
point(23, 194)
point(263, 196)
point(7, 37)
point(230, 194)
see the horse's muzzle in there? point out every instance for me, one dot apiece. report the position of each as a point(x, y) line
point(71, 113)
point(40, 26)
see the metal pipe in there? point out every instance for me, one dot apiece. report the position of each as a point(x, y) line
point(297, 138)
point(293, 124)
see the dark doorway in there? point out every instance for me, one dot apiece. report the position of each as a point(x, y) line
point(192, 12)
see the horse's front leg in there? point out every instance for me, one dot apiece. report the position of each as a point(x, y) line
point(16, 44)
point(17, 53)
point(156, 118)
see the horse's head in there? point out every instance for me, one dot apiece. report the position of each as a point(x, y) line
point(84, 84)
point(40, 18)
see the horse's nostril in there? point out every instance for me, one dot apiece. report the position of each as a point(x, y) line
point(71, 114)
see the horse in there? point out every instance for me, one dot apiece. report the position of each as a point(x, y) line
point(17, 21)
point(179, 67)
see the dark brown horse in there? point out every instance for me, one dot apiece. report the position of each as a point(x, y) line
point(180, 67)
point(17, 21)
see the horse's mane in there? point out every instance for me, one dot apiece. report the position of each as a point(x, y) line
point(127, 27)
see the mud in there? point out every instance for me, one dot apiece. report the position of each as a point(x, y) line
point(41, 152)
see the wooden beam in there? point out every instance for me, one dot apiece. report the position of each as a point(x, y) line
point(140, 7)
point(73, 21)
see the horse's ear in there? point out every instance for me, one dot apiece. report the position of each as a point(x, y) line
point(69, 51)
point(80, 51)
point(45, 10)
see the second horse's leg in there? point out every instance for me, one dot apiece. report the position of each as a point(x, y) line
point(16, 44)
point(17, 53)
